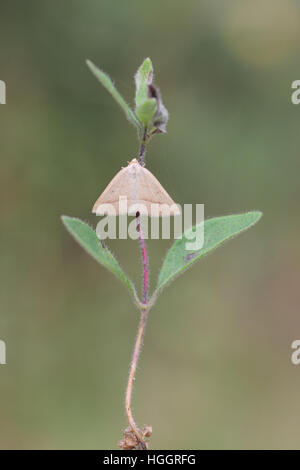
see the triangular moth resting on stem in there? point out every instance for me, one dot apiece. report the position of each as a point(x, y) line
point(140, 187)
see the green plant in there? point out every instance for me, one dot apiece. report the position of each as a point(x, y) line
point(150, 117)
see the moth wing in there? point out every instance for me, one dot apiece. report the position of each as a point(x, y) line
point(152, 192)
point(116, 188)
point(140, 188)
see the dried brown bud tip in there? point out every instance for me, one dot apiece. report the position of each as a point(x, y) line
point(147, 431)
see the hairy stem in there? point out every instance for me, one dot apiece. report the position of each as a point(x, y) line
point(144, 259)
point(142, 152)
point(143, 319)
point(140, 334)
point(134, 362)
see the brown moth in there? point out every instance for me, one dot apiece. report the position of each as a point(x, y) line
point(135, 189)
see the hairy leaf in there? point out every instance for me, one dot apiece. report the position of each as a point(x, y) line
point(87, 238)
point(110, 87)
point(146, 111)
point(216, 231)
point(143, 79)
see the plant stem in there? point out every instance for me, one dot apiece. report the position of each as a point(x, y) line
point(144, 260)
point(142, 152)
point(144, 314)
point(135, 358)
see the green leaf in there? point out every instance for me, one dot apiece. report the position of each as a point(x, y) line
point(216, 231)
point(146, 111)
point(87, 238)
point(110, 87)
point(143, 78)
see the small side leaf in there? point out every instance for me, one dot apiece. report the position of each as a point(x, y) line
point(110, 87)
point(216, 231)
point(143, 78)
point(87, 238)
point(146, 111)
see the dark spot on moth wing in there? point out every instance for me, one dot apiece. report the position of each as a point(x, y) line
point(190, 256)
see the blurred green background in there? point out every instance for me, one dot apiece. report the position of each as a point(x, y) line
point(215, 370)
